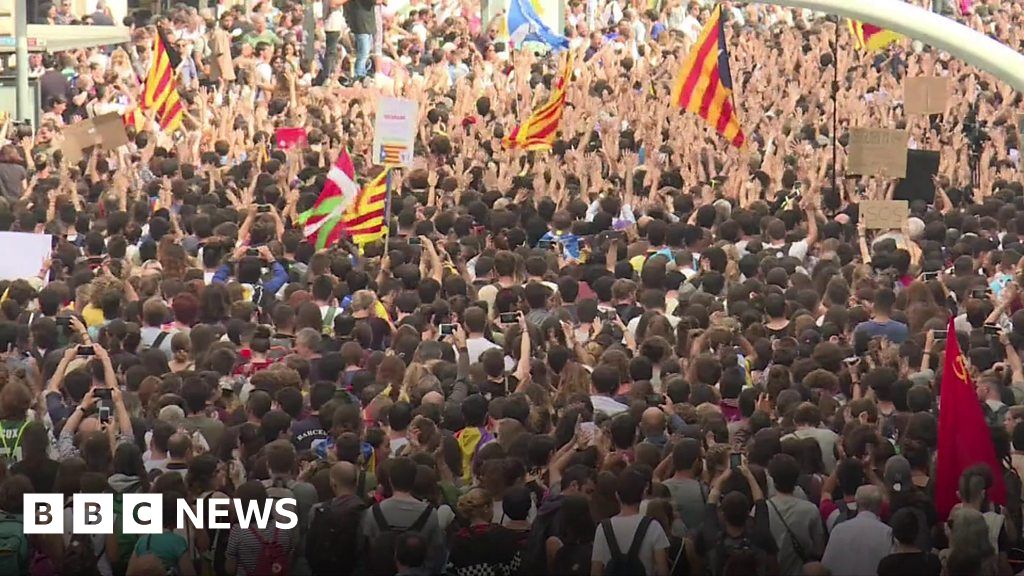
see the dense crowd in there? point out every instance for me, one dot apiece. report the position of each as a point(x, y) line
point(643, 352)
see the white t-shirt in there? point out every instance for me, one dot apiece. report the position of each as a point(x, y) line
point(477, 346)
point(625, 528)
point(335, 21)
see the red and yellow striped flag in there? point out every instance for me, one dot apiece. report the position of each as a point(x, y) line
point(870, 37)
point(161, 92)
point(364, 219)
point(541, 128)
point(704, 85)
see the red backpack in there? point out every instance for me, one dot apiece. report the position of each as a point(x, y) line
point(273, 559)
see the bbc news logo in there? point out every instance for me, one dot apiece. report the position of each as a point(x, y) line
point(144, 514)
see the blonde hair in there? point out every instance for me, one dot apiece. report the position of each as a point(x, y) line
point(476, 505)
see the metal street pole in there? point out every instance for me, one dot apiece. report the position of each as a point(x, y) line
point(309, 28)
point(25, 110)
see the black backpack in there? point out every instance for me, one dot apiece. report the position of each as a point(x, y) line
point(574, 559)
point(730, 550)
point(535, 552)
point(332, 542)
point(381, 559)
point(79, 557)
point(630, 563)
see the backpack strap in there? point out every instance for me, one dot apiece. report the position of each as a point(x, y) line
point(328, 322)
point(609, 536)
point(159, 340)
point(420, 522)
point(361, 485)
point(638, 538)
point(378, 516)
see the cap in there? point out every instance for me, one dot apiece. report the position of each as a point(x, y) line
point(897, 474)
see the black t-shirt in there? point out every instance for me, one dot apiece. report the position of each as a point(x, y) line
point(360, 16)
point(917, 563)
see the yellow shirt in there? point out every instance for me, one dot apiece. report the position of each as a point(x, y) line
point(93, 316)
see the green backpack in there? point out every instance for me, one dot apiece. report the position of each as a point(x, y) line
point(14, 558)
point(125, 542)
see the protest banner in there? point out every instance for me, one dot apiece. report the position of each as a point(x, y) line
point(877, 151)
point(925, 95)
point(105, 131)
point(394, 132)
point(884, 214)
point(287, 138)
point(26, 253)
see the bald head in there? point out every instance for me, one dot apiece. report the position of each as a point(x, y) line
point(343, 478)
point(178, 446)
point(89, 425)
point(652, 422)
point(869, 498)
point(433, 397)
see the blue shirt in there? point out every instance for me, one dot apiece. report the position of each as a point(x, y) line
point(895, 331)
point(569, 241)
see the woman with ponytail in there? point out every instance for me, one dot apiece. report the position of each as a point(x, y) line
point(181, 353)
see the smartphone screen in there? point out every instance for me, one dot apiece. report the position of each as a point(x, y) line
point(735, 460)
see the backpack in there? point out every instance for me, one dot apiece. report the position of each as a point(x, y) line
point(381, 557)
point(273, 559)
point(730, 549)
point(630, 563)
point(333, 537)
point(14, 558)
point(535, 552)
point(80, 557)
point(125, 542)
point(574, 559)
point(844, 512)
point(147, 549)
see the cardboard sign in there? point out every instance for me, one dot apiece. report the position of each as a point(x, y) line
point(287, 138)
point(877, 151)
point(26, 253)
point(394, 132)
point(925, 95)
point(884, 214)
point(106, 131)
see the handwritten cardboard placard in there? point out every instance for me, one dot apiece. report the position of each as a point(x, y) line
point(925, 95)
point(884, 214)
point(877, 151)
point(105, 131)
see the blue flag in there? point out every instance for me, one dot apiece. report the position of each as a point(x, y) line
point(524, 25)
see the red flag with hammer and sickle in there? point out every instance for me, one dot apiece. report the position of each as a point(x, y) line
point(964, 437)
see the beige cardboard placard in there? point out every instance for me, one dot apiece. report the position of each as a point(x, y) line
point(877, 151)
point(78, 138)
point(110, 132)
point(925, 95)
point(106, 131)
point(884, 214)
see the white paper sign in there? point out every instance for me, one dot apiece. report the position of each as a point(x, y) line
point(394, 132)
point(24, 254)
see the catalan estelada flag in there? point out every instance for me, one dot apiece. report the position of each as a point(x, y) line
point(161, 92)
point(704, 85)
point(391, 154)
point(870, 37)
point(364, 219)
point(541, 128)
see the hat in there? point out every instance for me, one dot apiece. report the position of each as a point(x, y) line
point(897, 474)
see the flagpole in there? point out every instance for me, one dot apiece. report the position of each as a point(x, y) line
point(835, 108)
point(387, 209)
